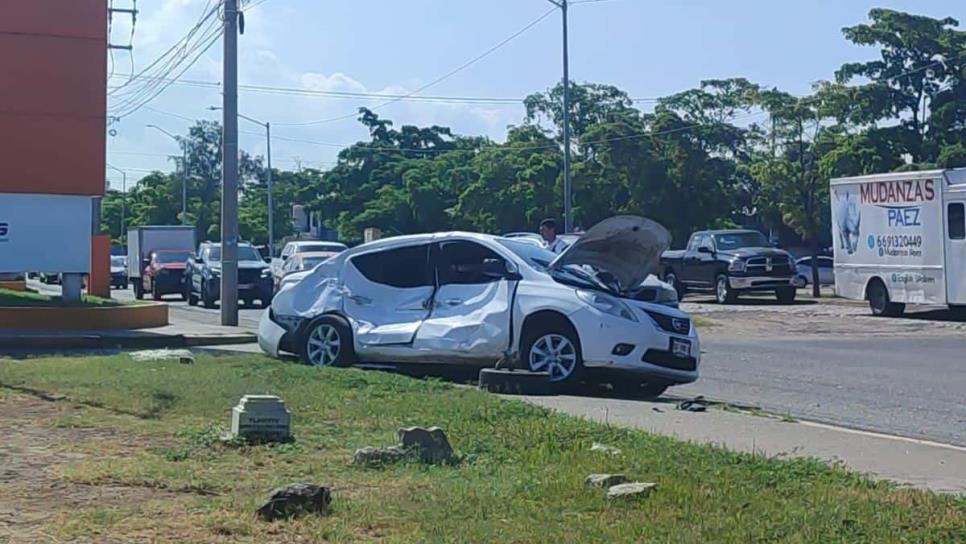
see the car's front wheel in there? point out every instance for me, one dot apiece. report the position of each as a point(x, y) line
point(786, 295)
point(672, 279)
point(328, 342)
point(723, 292)
point(554, 349)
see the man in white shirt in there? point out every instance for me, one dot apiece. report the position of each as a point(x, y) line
point(548, 231)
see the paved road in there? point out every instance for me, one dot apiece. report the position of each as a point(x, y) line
point(912, 386)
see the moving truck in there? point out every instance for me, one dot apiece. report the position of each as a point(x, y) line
point(143, 241)
point(901, 239)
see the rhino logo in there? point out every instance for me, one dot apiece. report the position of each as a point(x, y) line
point(848, 219)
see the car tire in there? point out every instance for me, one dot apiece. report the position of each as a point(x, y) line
point(155, 293)
point(190, 295)
point(138, 289)
point(327, 341)
point(802, 281)
point(879, 300)
point(206, 300)
point(265, 302)
point(786, 295)
point(672, 279)
point(564, 361)
point(723, 293)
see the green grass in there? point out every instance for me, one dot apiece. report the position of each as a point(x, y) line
point(521, 479)
point(30, 299)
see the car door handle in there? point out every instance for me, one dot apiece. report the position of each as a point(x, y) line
point(453, 301)
point(360, 300)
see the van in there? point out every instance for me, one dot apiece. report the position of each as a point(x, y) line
point(900, 239)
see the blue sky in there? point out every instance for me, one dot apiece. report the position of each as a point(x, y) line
point(647, 47)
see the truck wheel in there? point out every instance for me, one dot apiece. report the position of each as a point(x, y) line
point(155, 293)
point(138, 289)
point(206, 300)
point(879, 301)
point(786, 295)
point(722, 291)
point(672, 279)
point(190, 295)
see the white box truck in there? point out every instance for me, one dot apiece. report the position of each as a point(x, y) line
point(900, 239)
point(142, 241)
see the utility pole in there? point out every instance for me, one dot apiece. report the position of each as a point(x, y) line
point(123, 198)
point(184, 172)
point(229, 170)
point(271, 205)
point(568, 187)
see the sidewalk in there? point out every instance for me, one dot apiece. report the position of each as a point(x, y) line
point(917, 463)
point(184, 334)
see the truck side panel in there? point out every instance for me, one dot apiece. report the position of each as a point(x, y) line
point(890, 230)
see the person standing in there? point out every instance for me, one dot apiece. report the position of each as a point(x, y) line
point(548, 231)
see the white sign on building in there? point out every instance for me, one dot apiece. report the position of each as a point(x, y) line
point(45, 233)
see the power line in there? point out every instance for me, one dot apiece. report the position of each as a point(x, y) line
point(449, 74)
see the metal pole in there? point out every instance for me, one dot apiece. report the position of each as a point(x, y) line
point(184, 183)
point(229, 169)
point(271, 204)
point(568, 189)
point(123, 205)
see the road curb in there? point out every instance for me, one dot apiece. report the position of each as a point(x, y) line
point(145, 341)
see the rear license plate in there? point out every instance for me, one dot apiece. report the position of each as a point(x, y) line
point(680, 348)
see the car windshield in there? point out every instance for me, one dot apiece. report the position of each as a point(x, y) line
point(539, 259)
point(245, 253)
point(736, 240)
point(311, 248)
point(117, 261)
point(171, 256)
point(310, 262)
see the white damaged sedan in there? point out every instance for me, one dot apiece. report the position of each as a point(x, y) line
point(476, 299)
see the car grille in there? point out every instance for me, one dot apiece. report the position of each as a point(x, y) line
point(766, 266)
point(249, 275)
point(667, 359)
point(677, 325)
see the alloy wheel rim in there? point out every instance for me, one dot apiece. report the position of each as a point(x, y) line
point(553, 353)
point(722, 290)
point(324, 345)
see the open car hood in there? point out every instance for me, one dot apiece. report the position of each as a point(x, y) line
point(629, 247)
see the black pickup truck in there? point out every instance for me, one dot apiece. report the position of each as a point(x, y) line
point(729, 263)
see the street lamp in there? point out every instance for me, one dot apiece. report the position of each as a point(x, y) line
point(268, 156)
point(184, 173)
point(123, 197)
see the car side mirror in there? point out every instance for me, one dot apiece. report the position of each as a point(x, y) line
point(705, 249)
point(268, 260)
point(498, 268)
point(198, 260)
point(284, 257)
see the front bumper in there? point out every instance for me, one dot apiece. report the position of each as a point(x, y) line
point(760, 283)
point(651, 355)
point(270, 334)
point(261, 289)
point(170, 281)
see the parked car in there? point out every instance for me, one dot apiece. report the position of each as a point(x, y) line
point(119, 271)
point(164, 274)
point(826, 271)
point(203, 276)
point(301, 261)
point(729, 263)
point(475, 298)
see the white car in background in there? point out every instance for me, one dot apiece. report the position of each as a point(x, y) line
point(476, 299)
point(803, 271)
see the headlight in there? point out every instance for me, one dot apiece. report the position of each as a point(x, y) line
point(267, 273)
point(666, 295)
point(736, 265)
point(607, 304)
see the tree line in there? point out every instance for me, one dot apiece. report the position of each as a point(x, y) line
point(727, 153)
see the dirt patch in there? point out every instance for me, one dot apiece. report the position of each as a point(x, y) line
point(32, 452)
point(764, 317)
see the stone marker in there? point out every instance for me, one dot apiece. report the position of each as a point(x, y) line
point(296, 499)
point(630, 490)
point(605, 480)
point(605, 448)
point(372, 457)
point(430, 444)
point(261, 418)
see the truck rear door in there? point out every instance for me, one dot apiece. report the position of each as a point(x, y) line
point(956, 248)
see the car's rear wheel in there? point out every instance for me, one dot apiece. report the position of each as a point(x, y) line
point(786, 295)
point(672, 279)
point(138, 289)
point(189, 294)
point(555, 349)
point(155, 292)
point(722, 291)
point(879, 300)
point(328, 342)
point(206, 300)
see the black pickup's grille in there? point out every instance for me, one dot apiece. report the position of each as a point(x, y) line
point(769, 265)
point(249, 275)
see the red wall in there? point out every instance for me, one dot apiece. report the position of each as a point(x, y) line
point(52, 96)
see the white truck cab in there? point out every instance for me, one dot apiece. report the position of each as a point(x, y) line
point(900, 239)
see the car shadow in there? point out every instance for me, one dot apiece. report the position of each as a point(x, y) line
point(751, 301)
point(944, 315)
